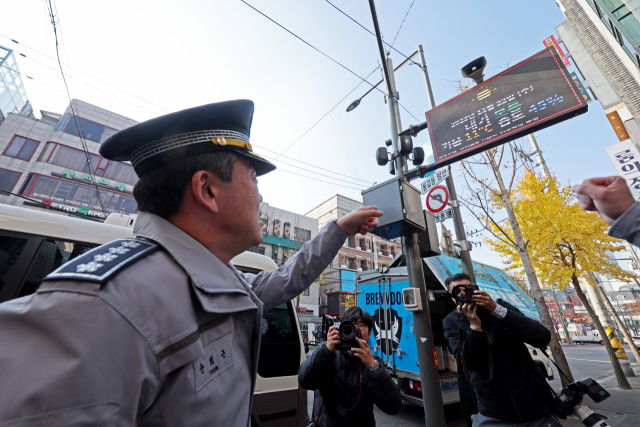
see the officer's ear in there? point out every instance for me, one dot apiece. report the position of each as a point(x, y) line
point(205, 189)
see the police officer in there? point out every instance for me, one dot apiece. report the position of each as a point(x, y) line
point(162, 330)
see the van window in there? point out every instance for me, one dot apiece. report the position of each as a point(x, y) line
point(52, 254)
point(10, 250)
point(280, 349)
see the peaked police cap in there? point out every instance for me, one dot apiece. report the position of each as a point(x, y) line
point(218, 127)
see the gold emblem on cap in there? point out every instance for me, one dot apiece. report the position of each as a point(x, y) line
point(221, 140)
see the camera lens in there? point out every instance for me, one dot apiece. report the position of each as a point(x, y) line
point(347, 331)
point(462, 293)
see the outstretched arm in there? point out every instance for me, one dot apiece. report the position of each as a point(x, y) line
point(297, 274)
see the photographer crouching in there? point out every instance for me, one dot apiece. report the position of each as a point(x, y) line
point(488, 338)
point(348, 380)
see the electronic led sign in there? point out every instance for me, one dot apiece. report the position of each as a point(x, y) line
point(532, 95)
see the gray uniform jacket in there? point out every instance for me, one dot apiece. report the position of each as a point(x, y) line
point(627, 226)
point(170, 340)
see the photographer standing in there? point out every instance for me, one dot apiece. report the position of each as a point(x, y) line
point(488, 338)
point(348, 383)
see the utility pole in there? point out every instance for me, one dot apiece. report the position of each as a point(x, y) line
point(538, 153)
point(465, 257)
point(429, 376)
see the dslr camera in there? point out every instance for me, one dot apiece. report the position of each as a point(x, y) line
point(348, 332)
point(463, 293)
point(564, 404)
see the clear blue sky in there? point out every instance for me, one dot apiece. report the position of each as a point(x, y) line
point(179, 54)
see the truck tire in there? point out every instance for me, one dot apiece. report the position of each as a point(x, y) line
point(601, 342)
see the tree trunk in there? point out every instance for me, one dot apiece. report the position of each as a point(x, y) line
point(621, 325)
point(623, 383)
point(538, 298)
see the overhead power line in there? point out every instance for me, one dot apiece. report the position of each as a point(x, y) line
point(326, 114)
point(310, 45)
point(309, 164)
point(402, 23)
point(319, 180)
point(373, 34)
point(317, 173)
point(75, 118)
point(88, 75)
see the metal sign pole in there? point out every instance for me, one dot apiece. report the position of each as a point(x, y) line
point(429, 376)
point(465, 257)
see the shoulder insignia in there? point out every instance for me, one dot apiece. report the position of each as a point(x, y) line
point(103, 262)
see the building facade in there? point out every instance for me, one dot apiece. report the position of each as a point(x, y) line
point(359, 253)
point(284, 233)
point(46, 165)
point(603, 40)
point(13, 95)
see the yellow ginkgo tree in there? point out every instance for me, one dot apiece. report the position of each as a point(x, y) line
point(564, 242)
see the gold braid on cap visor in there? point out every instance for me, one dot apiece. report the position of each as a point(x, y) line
point(218, 137)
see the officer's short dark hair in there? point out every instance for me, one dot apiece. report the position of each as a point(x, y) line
point(161, 190)
point(354, 313)
point(456, 278)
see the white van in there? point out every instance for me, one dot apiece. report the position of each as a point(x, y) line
point(34, 243)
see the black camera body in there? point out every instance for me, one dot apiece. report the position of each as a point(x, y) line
point(348, 332)
point(572, 394)
point(463, 293)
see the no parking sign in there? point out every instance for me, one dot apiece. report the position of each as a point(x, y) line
point(437, 198)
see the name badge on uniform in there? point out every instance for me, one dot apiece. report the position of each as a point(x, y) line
point(211, 365)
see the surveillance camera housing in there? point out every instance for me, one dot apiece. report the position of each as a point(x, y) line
point(418, 156)
point(382, 157)
point(473, 70)
point(406, 145)
point(388, 143)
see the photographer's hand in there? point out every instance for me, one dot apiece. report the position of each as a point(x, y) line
point(470, 310)
point(333, 338)
point(483, 299)
point(364, 353)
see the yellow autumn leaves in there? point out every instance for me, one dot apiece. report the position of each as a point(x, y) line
point(561, 238)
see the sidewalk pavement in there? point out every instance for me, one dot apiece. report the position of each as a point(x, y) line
point(623, 407)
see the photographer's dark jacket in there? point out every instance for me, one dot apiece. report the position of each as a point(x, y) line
point(337, 379)
point(508, 385)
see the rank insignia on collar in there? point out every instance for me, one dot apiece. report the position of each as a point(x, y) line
point(103, 262)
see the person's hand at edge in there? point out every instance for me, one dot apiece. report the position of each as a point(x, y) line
point(471, 313)
point(609, 196)
point(361, 220)
point(333, 338)
point(364, 353)
point(483, 299)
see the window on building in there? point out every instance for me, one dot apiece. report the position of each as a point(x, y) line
point(302, 235)
point(70, 193)
point(351, 242)
point(620, 296)
point(21, 148)
point(276, 227)
point(274, 253)
point(363, 265)
point(8, 180)
point(305, 293)
point(351, 263)
point(265, 225)
point(72, 158)
point(257, 249)
point(287, 230)
point(78, 126)
point(383, 249)
point(362, 243)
